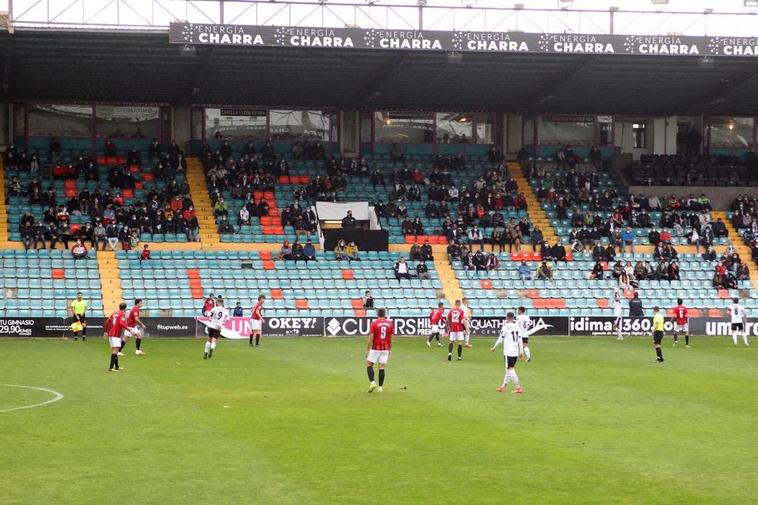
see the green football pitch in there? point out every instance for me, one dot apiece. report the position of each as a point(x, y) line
point(292, 423)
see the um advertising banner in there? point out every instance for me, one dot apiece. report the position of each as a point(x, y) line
point(239, 327)
point(459, 41)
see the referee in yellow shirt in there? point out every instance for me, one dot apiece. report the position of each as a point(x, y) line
point(79, 312)
point(658, 321)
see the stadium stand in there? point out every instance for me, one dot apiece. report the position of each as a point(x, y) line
point(680, 170)
point(177, 282)
point(64, 195)
point(42, 283)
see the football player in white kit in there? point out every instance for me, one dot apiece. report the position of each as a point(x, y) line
point(218, 317)
point(739, 321)
point(466, 321)
point(617, 321)
point(513, 347)
point(524, 323)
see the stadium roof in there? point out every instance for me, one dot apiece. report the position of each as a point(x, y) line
point(129, 66)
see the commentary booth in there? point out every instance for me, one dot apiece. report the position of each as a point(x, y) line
point(367, 234)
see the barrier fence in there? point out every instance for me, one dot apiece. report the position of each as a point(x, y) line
point(573, 326)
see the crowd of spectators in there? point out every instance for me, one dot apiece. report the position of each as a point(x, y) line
point(109, 219)
point(579, 199)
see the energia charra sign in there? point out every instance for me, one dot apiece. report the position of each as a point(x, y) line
point(425, 40)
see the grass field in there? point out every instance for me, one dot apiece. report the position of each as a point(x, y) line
point(291, 423)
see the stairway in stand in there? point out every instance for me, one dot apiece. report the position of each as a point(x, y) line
point(450, 285)
point(537, 215)
point(3, 209)
point(742, 249)
point(110, 281)
point(209, 236)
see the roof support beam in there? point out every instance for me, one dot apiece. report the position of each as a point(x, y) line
point(547, 92)
point(373, 86)
point(201, 72)
point(6, 90)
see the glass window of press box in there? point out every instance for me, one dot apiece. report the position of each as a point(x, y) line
point(128, 122)
point(558, 131)
point(293, 125)
point(403, 127)
point(235, 124)
point(731, 132)
point(460, 128)
point(53, 120)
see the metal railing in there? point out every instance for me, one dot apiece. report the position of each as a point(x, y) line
point(392, 14)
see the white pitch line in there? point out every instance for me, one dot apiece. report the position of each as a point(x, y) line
point(56, 394)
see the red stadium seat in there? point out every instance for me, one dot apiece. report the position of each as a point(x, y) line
point(277, 294)
point(348, 274)
point(58, 273)
point(357, 303)
point(269, 265)
point(602, 303)
point(486, 284)
point(265, 255)
point(301, 304)
point(359, 312)
point(533, 294)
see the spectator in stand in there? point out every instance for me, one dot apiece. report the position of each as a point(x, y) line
point(662, 271)
point(340, 250)
point(351, 250)
point(536, 237)
point(609, 254)
point(513, 236)
point(558, 252)
point(497, 237)
point(480, 261)
point(220, 209)
point(673, 271)
point(524, 271)
point(367, 300)
point(145, 255)
point(596, 158)
point(309, 251)
point(238, 312)
point(743, 272)
point(397, 153)
point(422, 271)
point(426, 251)
point(243, 217)
point(640, 271)
point(348, 222)
point(224, 226)
point(597, 272)
point(492, 262)
point(635, 306)
point(475, 237)
point(297, 250)
point(401, 270)
point(545, 271)
point(453, 251)
point(79, 251)
point(285, 252)
point(627, 239)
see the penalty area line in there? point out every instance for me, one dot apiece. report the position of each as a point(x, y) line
point(56, 397)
